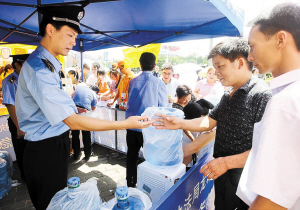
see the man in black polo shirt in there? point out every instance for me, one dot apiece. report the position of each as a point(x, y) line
point(242, 105)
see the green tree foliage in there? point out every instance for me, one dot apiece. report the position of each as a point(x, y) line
point(180, 59)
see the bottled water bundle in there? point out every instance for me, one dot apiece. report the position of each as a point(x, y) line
point(6, 171)
point(162, 147)
point(77, 196)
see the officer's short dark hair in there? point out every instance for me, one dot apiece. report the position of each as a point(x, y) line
point(95, 88)
point(147, 60)
point(232, 49)
point(183, 90)
point(72, 72)
point(86, 66)
point(96, 65)
point(284, 17)
point(18, 62)
point(43, 25)
point(167, 66)
point(100, 72)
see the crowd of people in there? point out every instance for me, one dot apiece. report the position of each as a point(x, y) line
point(255, 127)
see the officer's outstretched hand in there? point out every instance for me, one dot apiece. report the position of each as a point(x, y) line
point(138, 122)
point(167, 122)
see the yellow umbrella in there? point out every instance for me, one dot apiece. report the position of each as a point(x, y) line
point(17, 49)
point(132, 55)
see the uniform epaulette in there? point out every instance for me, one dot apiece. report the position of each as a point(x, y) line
point(48, 64)
point(12, 79)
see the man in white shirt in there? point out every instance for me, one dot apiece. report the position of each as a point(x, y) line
point(270, 179)
point(92, 79)
point(171, 83)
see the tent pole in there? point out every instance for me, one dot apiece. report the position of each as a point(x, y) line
point(38, 2)
point(81, 58)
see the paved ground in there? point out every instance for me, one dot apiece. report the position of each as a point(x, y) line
point(107, 166)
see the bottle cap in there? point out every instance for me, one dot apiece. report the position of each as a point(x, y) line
point(74, 182)
point(122, 193)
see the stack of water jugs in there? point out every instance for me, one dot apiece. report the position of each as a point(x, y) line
point(6, 170)
point(79, 196)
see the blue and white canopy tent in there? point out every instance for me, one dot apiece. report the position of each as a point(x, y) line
point(111, 23)
point(119, 23)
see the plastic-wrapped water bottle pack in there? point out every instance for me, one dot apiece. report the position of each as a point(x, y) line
point(77, 196)
point(162, 147)
point(6, 171)
point(85, 196)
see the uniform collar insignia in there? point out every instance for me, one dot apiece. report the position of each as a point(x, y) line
point(48, 64)
point(12, 79)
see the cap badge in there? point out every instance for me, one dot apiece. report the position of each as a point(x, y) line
point(80, 15)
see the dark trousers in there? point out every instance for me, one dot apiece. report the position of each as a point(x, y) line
point(225, 191)
point(86, 139)
point(19, 145)
point(46, 168)
point(134, 141)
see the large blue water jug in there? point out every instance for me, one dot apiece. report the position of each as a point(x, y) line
point(124, 201)
point(162, 147)
point(5, 181)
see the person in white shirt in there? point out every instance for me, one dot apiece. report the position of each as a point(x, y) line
point(270, 179)
point(92, 79)
point(171, 83)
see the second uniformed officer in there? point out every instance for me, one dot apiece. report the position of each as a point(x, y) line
point(9, 89)
point(46, 113)
point(85, 98)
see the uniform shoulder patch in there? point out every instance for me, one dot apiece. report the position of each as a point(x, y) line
point(12, 79)
point(48, 64)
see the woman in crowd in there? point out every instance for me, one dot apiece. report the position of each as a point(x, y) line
point(204, 87)
point(184, 96)
point(72, 74)
point(115, 76)
point(101, 82)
